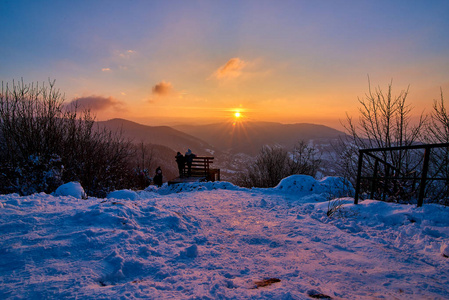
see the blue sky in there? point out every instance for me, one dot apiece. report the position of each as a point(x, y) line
point(157, 62)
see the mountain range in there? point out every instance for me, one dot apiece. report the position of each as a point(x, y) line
point(232, 144)
point(239, 137)
point(157, 135)
point(249, 137)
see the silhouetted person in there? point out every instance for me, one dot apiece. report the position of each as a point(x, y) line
point(158, 177)
point(189, 159)
point(180, 160)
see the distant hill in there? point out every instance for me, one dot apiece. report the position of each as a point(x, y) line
point(232, 145)
point(249, 137)
point(158, 135)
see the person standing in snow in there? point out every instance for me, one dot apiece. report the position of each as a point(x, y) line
point(189, 159)
point(158, 177)
point(180, 160)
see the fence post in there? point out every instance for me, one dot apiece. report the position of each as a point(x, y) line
point(359, 175)
point(425, 168)
point(386, 182)
point(374, 183)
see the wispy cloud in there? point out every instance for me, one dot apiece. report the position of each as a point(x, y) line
point(95, 103)
point(127, 53)
point(120, 61)
point(231, 69)
point(162, 88)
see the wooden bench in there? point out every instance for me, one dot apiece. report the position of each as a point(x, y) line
point(200, 171)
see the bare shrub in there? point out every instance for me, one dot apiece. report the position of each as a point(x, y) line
point(272, 164)
point(334, 196)
point(143, 163)
point(334, 206)
point(267, 170)
point(305, 159)
point(44, 144)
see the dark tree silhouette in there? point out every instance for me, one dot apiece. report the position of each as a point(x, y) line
point(43, 144)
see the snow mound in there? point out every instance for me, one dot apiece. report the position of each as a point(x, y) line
point(123, 195)
point(334, 186)
point(444, 250)
point(114, 242)
point(192, 187)
point(412, 229)
point(73, 189)
point(189, 252)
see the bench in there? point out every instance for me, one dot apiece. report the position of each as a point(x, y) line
point(200, 171)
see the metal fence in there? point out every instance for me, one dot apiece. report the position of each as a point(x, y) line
point(404, 170)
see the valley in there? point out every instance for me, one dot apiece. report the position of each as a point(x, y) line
point(234, 145)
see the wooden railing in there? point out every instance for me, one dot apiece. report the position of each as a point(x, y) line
point(201, 168)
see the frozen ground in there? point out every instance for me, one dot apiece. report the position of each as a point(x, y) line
point(218, 241)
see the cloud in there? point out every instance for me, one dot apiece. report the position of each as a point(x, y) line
point(127, 54)
point(95, 103)
point(232, 69)
point(106, 69)
point(162, 88)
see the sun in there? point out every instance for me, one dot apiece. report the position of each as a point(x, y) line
point(237, 115)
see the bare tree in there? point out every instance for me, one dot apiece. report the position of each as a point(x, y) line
point(272, 164)
point(143, 164)
point(305, 159)
point(385, 121)
point(437, 131)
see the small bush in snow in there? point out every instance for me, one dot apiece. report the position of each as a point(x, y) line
point(334, 206)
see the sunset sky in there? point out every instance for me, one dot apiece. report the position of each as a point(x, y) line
point(163, 62)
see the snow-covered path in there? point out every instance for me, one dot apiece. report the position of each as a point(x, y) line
point(217, 241)
point(259, 237)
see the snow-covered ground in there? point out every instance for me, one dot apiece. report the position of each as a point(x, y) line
point(219, 241)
